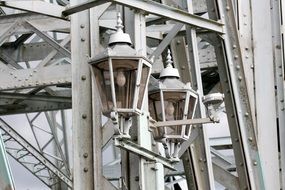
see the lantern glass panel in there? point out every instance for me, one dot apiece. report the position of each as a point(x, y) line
point(174, 105)
point(125, 73)
point(103, 81)
point(155, 112)
point(191, 113)
point(143, 81)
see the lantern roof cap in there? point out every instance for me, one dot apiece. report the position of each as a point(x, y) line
point(214, 98)
point(119, 36)
point(169, 70)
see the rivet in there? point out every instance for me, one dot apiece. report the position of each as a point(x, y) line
point(241, 164)
point(238, 67)
point(255, 163)
point(202, 169)
point(246, 114)
point(84, 116)
point(83, 77)
point(82, 39)
point(232, 115)
point(85, 169)
point(235, 57)
point(137, 178)
point(239, 78)
point(228, 8)
point(82, 26)
point(236, 140)
point(250, 139)
point(234, 46)
point(178, 42)
point(85, 155)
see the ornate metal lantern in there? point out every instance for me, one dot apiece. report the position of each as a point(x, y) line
point(172, 100)
point(121, 75)
point(212, 103)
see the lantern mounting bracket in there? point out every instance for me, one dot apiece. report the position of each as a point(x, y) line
point(183, 122)
point(143, 152)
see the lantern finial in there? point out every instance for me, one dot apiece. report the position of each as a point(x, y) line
point(119, 23)
point(119, 36)
point(169, 71)
point(169, 59)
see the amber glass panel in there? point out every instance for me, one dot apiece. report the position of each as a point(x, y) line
point(191, 113)
point(124, 87)
point(104, 87)
point(142, 87)
point(174, 104)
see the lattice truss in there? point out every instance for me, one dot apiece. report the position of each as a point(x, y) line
point(42, 150)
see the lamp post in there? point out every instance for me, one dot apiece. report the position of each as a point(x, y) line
point(172, 100)
point(121, 75)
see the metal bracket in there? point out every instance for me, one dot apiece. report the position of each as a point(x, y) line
point(143, 152)
point(183, 122)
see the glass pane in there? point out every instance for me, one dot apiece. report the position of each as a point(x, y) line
point(174, 104)
point(143, 81)
point(125, 72)
point(155, 110)
point(155, 113)
point(191, 114)
point(104, 87)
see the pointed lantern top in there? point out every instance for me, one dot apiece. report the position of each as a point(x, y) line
point(169, 71)
point(119, 36)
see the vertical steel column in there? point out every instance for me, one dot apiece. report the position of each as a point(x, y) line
point(244, 17)
point(197, 159)
point(279, 10)
point(83, 177)
point(151, 176)
point(265, 92)
point(232, 76)
point(201, 144)
point(99, 181)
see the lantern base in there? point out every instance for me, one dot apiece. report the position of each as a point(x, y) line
point(174, 160)
point(122, 136)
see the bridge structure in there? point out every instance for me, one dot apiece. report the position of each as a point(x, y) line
point(51, 113)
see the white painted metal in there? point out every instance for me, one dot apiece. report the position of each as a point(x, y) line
point(245, 30)
point(265, 93)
